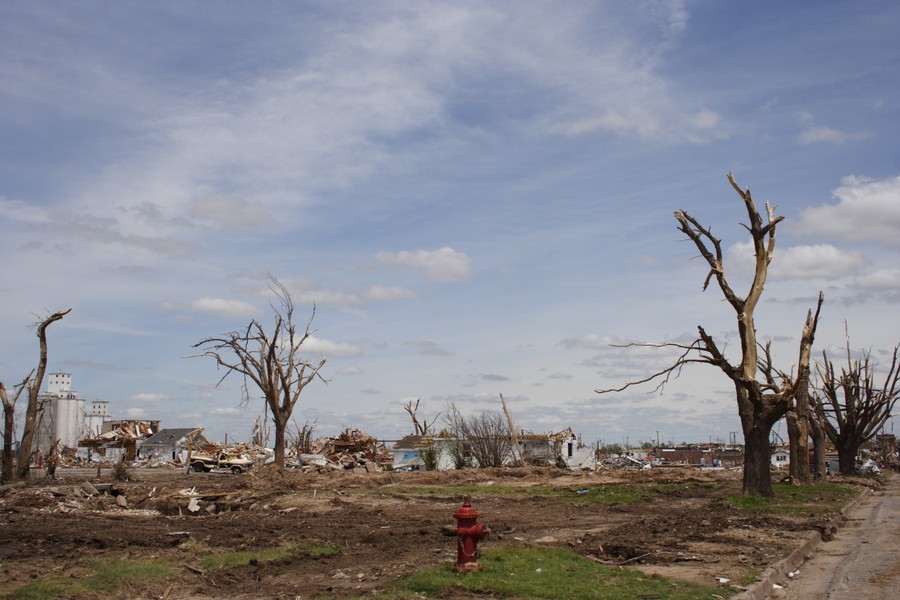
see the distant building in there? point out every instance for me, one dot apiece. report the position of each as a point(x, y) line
point(60, 414)
point(781, 458)
point(93, 423)
point(169, 445)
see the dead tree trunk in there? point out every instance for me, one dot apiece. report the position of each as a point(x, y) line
point(280, 425)
point(798, 417)
point(34, 391)
point(9, 414)
point(9, 423)
point(819, 458)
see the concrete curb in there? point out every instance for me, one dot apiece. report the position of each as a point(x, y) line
point(778, 573)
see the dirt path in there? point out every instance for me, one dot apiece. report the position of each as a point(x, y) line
point(862, 562)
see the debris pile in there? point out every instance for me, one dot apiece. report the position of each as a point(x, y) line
point(124, 435)
point(64, 499)
point(352, 450)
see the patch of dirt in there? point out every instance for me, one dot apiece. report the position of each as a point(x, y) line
point(687, 531)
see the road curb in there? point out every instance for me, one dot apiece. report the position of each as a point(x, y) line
point(778, 573)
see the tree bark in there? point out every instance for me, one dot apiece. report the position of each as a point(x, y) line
point(799, 448)
point(847, 457)
point(6, 474)
point(9, 420)
point(757, 461)
point(818, 436)
point(280, 425)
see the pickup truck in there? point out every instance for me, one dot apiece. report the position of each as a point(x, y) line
point(204, 463)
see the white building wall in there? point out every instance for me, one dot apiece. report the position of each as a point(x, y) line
point(93, 423)
point(70, 417)
point(64, 414)
point(58, 383)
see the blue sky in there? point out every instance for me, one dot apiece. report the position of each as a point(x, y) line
point(478, 198)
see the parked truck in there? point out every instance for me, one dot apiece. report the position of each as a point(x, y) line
point(204, 463)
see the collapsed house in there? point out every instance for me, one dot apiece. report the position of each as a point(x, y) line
point(171, 445)
point(119, 439)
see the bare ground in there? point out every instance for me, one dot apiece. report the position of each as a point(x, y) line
point(687, 531)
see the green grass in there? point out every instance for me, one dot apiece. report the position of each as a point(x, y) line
point(615, 493)
point(102, 576)
point(212, 560)
point(96, 576)
point(550, 574)
point(818, 498)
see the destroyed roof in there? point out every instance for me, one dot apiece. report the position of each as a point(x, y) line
point(166, 437)
point(409, 442)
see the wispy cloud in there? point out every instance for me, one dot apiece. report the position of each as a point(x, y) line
point(317, 345)
point(879, 280)
point(149, 397)
point(444, 264)
point(229, 210)
point(428, 348)
point(388, 293)
point(224, 307)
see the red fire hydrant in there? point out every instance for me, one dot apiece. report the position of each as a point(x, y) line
point(468, 532)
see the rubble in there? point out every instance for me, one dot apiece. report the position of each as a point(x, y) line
point(124, 436)
point(352, 451)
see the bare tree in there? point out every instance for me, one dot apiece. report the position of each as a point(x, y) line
point(851, 408)
point(9, 425)
point(483, 437)
point(33, 386)
point(797, 393)
point(301, 438)
point(760, 403)
point(456, 434)
point(422, 427)
point(272, 362)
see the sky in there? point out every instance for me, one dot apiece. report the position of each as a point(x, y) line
point(476, 197)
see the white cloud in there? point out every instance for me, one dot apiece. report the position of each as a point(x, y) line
point(386, 293)
point(816, 135)
point(327, 298)
point(444, 264)
point(867, 211)
point(226, 410)
point(645, 122)
point(820, 261)
point(316, 345)
point(149, 397)
point(225, 308)
point(349, 371)
point(880, 280)
point(135, 413)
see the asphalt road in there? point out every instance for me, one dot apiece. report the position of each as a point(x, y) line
point(862, 562)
